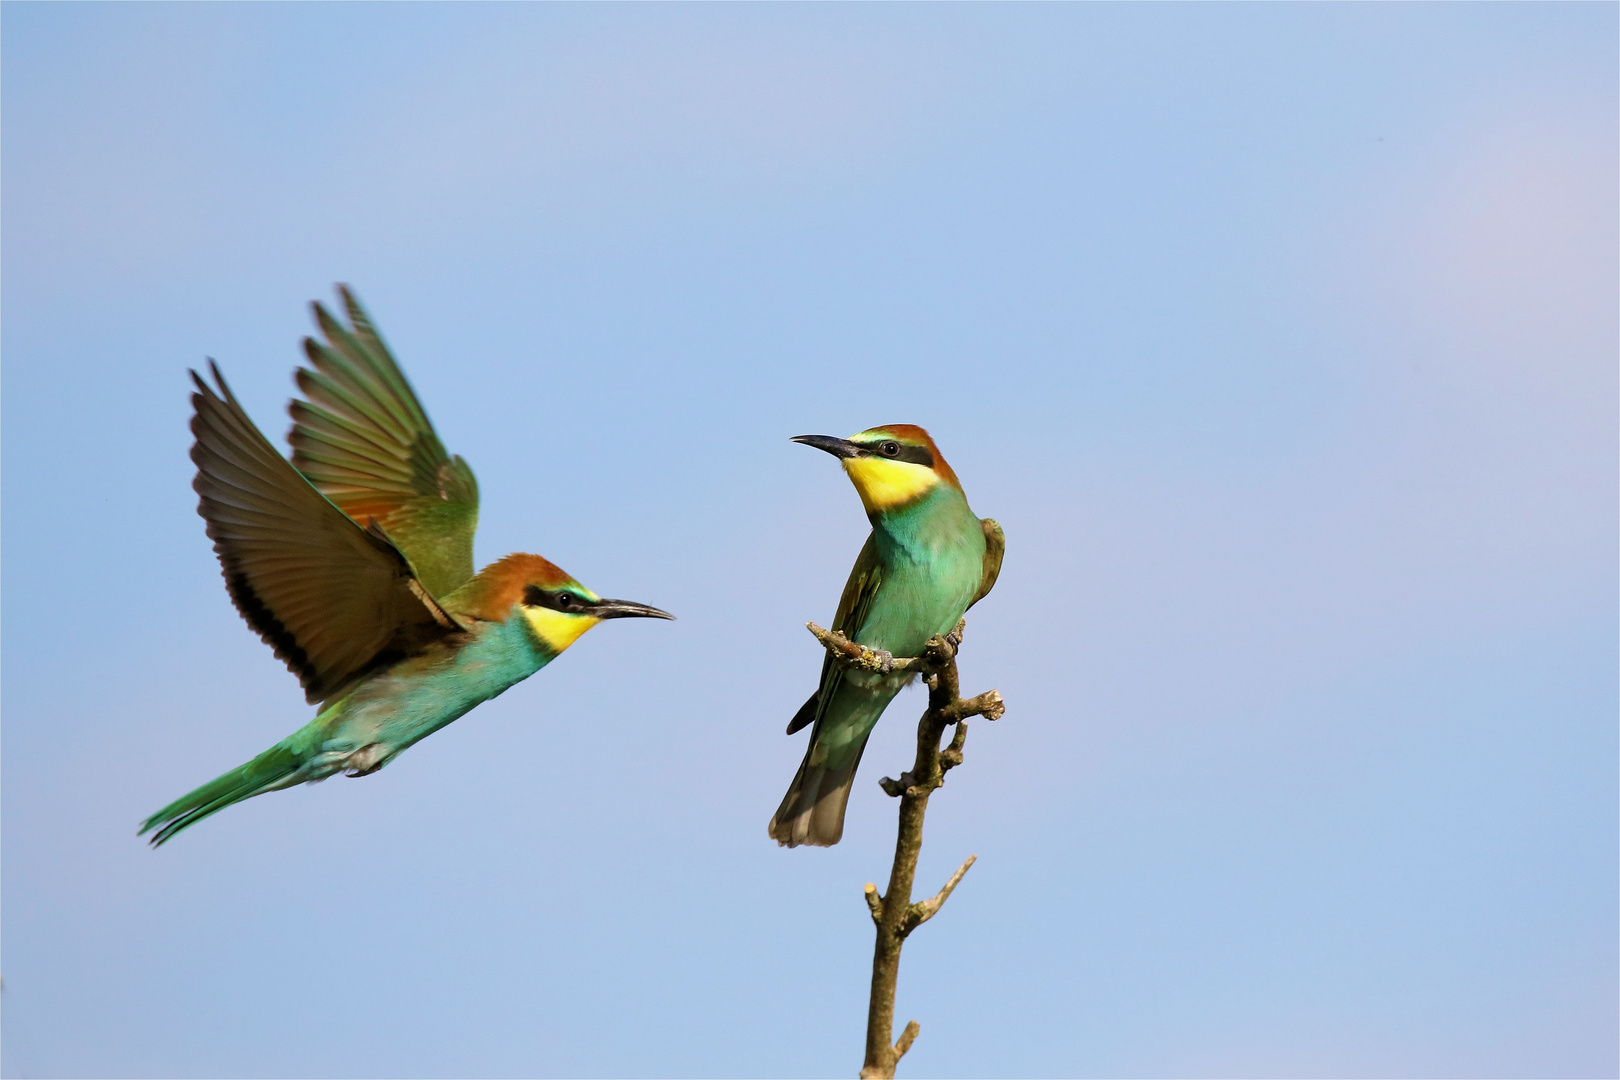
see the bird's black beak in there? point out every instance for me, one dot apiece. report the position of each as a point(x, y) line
point(838, 448)
point(626, 609)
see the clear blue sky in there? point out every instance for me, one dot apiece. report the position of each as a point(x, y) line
point(1281, 338)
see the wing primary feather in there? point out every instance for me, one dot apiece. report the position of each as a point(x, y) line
point(366, 372)
point(332, 600)
point(363, 439)
point(806, 714)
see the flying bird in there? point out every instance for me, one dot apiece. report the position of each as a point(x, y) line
point(926, 562)
point(354, 563)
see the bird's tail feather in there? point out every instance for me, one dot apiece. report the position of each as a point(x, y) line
point(812, 812)
point(275, 768)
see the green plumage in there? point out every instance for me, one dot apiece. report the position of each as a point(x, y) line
point(266, 772)
point(364, 441)
point(356, 568)
point(925, 563)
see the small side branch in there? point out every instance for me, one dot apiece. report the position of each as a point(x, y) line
point(924, 910)
point(907, 1037)
point(988, 705)
point(951, 756)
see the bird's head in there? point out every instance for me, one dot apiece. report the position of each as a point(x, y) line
point(891, 466)
point(556, 607)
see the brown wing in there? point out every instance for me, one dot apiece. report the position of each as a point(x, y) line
point(364, 441)
point(995, 546)
point(335, 601)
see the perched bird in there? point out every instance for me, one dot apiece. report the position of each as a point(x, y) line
point(354, 563)
point(926, 562)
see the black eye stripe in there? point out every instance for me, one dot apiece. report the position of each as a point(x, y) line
point(534, 596)
point(917, 455)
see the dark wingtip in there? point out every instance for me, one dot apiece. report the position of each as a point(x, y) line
point(325, 320)
point(357, 312)
point(157, 839)
point(220, 391)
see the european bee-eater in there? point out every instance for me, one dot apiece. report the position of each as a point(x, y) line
point(354, 563)
point(926, 562)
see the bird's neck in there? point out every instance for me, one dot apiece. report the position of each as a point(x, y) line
point(926, 522)
point(504, 652)
point(555, 630)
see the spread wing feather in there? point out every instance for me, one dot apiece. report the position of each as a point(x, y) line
point(364, 440)
point(335, 601)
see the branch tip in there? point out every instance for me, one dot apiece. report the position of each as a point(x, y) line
point(988, 705)
point(907, 1037)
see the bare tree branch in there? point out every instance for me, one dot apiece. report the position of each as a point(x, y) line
point(893, 912)
point(854, 655)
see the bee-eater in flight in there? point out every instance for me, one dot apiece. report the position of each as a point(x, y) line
point(926, 562)
point(353, 562)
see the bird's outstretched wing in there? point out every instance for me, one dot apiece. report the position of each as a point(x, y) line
point(364, 441)
point(995, 546)
point(853, 607)
point(334, 600)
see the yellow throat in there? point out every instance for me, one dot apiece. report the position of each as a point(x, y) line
point(558, 629)
point(883, 483)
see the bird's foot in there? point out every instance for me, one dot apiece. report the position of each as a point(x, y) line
point(885, 660)
point(366, 760)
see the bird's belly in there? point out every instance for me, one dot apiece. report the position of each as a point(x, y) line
point(917, 602)
point(398, 707)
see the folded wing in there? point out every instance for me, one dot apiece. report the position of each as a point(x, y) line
point(995, 546)
point(364, 440)
point(334, 600)
point(853, 607)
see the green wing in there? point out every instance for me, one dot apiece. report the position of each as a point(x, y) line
point(853, 607)
point(364, 441)
point(995, 546)
point(333, 600)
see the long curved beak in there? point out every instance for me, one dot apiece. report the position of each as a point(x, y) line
point(626, 609)
point(838, 448)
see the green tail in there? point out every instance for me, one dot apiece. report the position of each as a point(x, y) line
point(267, 772)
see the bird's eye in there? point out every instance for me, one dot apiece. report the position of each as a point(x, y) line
point(567, 601)
point(890, 449)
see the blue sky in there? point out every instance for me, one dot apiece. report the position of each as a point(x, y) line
point(1280, 338)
